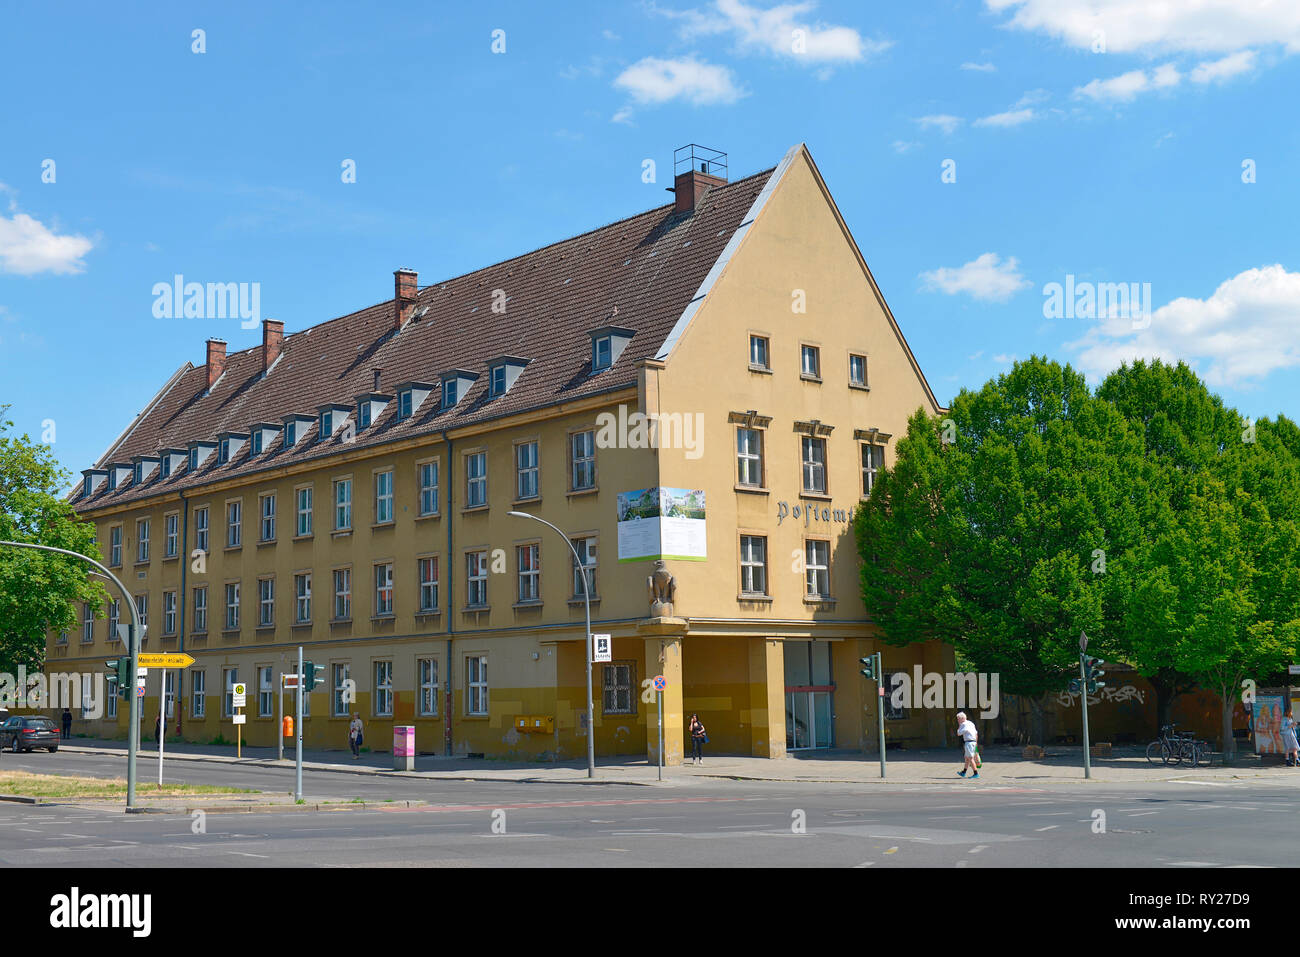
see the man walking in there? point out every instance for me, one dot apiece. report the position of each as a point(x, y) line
point(970, 737)
point(67, 724)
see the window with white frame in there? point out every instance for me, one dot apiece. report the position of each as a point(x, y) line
point(476, 579)
point(304, 509)
point(114, 614)
point(265, 602)
point(200, 609)
point(428, 472)
point(753, 565)
point(169, 692)
point(758, 352)
point(810, 361)
point(342, 504)
point(873, 460)
point(342, 594)
point(404, 404)
point(268, 517)
point(229, 678)
point(526, 470)
point(530, 573)
point(110, 706)
point(302, 597)
point(142, 540)
point(476, 685)
point(858, 370)
point(234, 524)
point(427, 669)
point(497, 381)
point(582, 460)
point(749, 457)
point(198, 687)
point(265, 691)
point(142, 608)
point(383, 497)
point(428, 571)
point(170, 525)
point(201, 528)
point(341, 690)
point(87, 622)
point(601, 353)
point(115, 546)
point(817, 568)
point(232, 606)
point(814, 464)
point(383, 698)
point(169, 613)
point(384, 589)
point(618, 688)
point(475, 479)
point(585, 564)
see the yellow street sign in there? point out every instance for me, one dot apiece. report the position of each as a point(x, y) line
point(178, 660)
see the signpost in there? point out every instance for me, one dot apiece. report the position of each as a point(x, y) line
point(660, 685)
point(163, 661)
point(238, 698)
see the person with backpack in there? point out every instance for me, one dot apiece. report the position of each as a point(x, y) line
point(970, 746)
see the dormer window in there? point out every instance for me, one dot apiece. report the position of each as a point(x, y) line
point(117, 474)
point(370, 406)
point(92, 479)
point(455, 384)
point(170, 460)
point(502, 373)
point(363, 415)
point(290, 434)
point(410, 396)
point(199, 452)
point(331, 418)
point(137, 474)
point(194, 459)
point(257, 442)
point(112, 480)
point(87, 485)
point(295, 427)
point(230, 444)
point(326, 424)
point(223, 452)
point(404, 404)
point(166, 466)
point(607, 344)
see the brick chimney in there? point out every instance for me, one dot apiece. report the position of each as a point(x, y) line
point(404, 290)
point(272, 341)
point(690, 186)
point(216, 360)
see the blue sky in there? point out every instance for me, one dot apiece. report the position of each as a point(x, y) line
point(1104, 140)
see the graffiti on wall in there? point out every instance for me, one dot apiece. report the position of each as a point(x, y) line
point(1067, 699)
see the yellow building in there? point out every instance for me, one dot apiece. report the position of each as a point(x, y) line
point(714, 381)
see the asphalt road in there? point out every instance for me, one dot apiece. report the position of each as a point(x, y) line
point(706, 823)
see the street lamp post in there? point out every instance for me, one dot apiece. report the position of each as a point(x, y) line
point(133, 733)
point(586, 594)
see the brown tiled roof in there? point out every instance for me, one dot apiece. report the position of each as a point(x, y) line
point(648, 266)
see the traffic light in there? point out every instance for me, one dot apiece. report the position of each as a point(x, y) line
point(119, 675)
point(868, 667)
point(309, 677)
point(1093, 673)
point(1074, 686)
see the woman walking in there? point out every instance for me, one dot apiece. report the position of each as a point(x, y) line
point(1289, 742)
point(356, 735)
point(698, 739)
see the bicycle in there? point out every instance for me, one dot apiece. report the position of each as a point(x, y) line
point(1173, 746)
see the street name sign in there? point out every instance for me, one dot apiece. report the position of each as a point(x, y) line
point(166, 660)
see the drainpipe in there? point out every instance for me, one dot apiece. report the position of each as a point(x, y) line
point(448, 594)
point(180, 618)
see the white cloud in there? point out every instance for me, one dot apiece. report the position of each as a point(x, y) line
point(1005, 358)
point(1248, 328)
point(980, 67)
point(28, 246)
point(1126, 86)
point(778, 31)
point(1009, 118)
point(653, 80)
point(985, 278)
point(941, 120)
point(1216, 71)
point(622, 116)
point(610, 35)
point(1200, 26)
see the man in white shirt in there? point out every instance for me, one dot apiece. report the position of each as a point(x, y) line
point(969, 737)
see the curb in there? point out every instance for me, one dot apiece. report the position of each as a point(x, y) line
point(21, 799)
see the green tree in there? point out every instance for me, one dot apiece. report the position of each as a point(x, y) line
point(39, 591)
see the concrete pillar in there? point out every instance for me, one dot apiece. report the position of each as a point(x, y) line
point(663, 656)
point(767, 698)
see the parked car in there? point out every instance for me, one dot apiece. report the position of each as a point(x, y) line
point(25, 733)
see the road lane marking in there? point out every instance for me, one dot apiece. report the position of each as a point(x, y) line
point(1050, 827)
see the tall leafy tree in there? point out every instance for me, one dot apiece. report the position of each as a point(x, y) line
point(39, 591)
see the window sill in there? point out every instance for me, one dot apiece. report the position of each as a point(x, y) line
point(341, 533)
point(171, 558)
point(265, 628)
point(168, 634)
point(142, 561)
point(764, 599)
point(199, 634)
point(421, 518)
point(580, 602)
point(475, 717)
point(531, 500)
point(302, 538)
point(524, 605)
point(860, 386)
point(428, 615)
point(470, 509)
point(810, 378)
point(576, 492)
point(266, 541)
point(340, 621)
point(381, 525)
point(301, 624)
point(753, 489)
point(233, 548)
point(475, 609)
point(764, 370)
point(818, 496)
point(230, 632)
point(821, 602)
point(379, 618)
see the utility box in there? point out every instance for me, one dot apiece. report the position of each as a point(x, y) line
point(403, 748)
point(535, 724)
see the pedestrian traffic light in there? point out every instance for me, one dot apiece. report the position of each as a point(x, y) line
point(1074, 686)
point(310, 679)
point(868, 667)
point(119, 675)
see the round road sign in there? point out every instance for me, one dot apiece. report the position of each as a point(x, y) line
point(660, 683)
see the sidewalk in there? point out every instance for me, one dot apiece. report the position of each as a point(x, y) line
point(1002, 766)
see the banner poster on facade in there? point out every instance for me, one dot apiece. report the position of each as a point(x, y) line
point(1267, 722)
point(661, 523)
